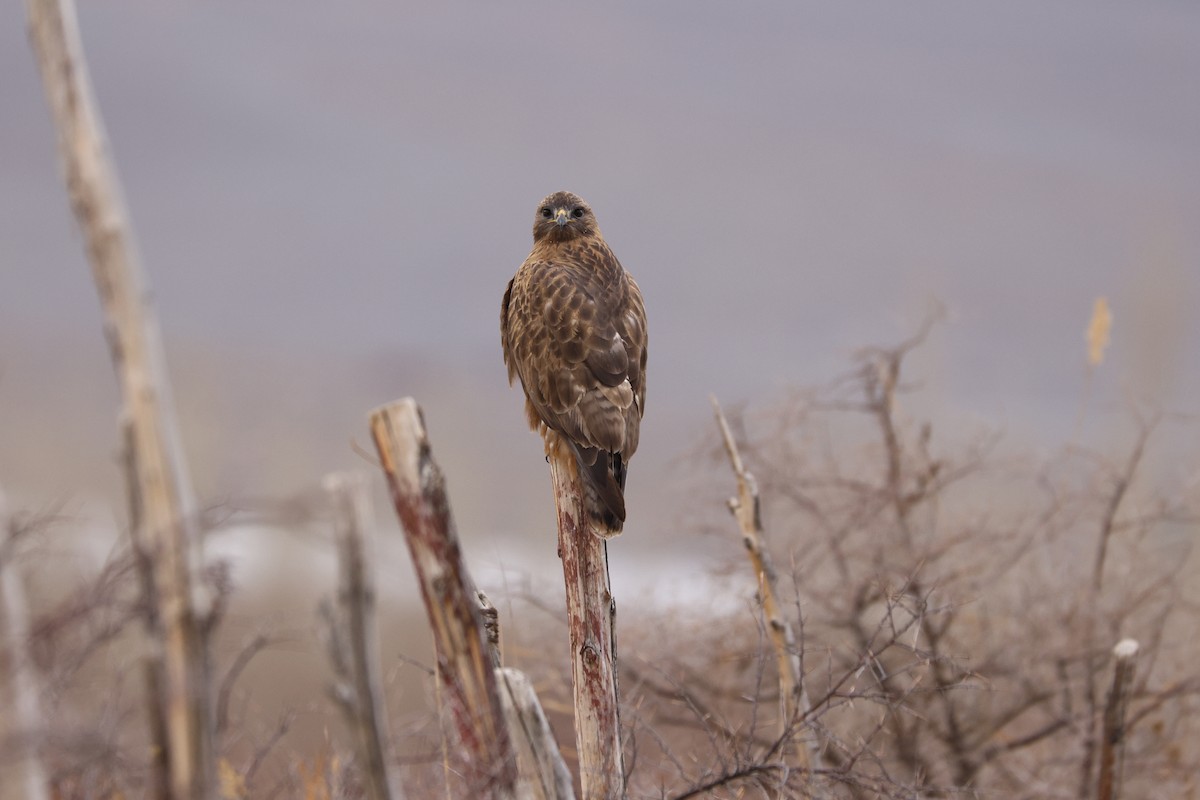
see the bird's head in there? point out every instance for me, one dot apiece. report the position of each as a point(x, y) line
point(562, 217)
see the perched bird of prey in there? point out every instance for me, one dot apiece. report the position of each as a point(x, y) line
point(573, 328)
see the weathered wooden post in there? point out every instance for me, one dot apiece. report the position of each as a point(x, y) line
point(591, 621)
point(465, 670)
point(1112, 748)
point(354, 637)
point(161, 501)
point(509, 747)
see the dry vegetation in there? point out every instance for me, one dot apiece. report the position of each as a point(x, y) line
point(948, 622)
point(956, 614)
point(953, 611)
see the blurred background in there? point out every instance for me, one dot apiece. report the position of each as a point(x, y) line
point(330, 199)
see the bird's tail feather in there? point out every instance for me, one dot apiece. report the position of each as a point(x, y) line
point(603, 477)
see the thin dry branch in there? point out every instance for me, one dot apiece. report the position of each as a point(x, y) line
point(240, 662)
point(747, 773)
point(1120, 490)
point(745, 508)
point(264, 749)
point(363, 701)
point(165, 522)
point(465, 670)
point(591, 623)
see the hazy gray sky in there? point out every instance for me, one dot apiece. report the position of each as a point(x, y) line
point(330, 198)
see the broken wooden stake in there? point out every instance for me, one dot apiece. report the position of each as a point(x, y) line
point(746, 510)
point(465, 671)
point(1113, 746)
point(354, 637)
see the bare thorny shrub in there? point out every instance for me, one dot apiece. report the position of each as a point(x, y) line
point(956, 611)
point(81, 733)
point(86, 645)
point(86, 648)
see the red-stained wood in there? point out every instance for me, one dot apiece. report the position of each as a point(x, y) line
point(591, 618)
point(469, 689)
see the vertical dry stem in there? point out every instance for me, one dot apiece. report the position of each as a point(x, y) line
point(745, 508)
point(465, 670)
point(591, 619)
point(1123, 482)
point(22, 776)
point(165, 519)
point(363, 699)
point(1112, 747)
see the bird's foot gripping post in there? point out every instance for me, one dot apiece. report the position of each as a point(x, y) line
point(591, 618)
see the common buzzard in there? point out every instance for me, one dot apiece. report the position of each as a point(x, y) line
point(573, 327)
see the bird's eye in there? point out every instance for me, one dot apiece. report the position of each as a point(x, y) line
point(578, 212)
point(546, 213)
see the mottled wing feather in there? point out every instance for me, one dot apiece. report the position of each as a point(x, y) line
point(509, 362)
point(575, 334)
point(631, 326)
point(607, 357)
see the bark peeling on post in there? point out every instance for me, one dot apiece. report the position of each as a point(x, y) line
point(465, 670)
point(591, 618)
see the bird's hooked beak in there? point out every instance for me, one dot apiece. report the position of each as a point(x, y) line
point(561, 217)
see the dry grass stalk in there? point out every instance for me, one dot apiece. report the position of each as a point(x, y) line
point(793, 699)
point(1099, 328)
point(465, 670)
point(163, 520)
point(356, 638)
point(591, 621)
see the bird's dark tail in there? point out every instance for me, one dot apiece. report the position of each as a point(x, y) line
point(603, 477)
